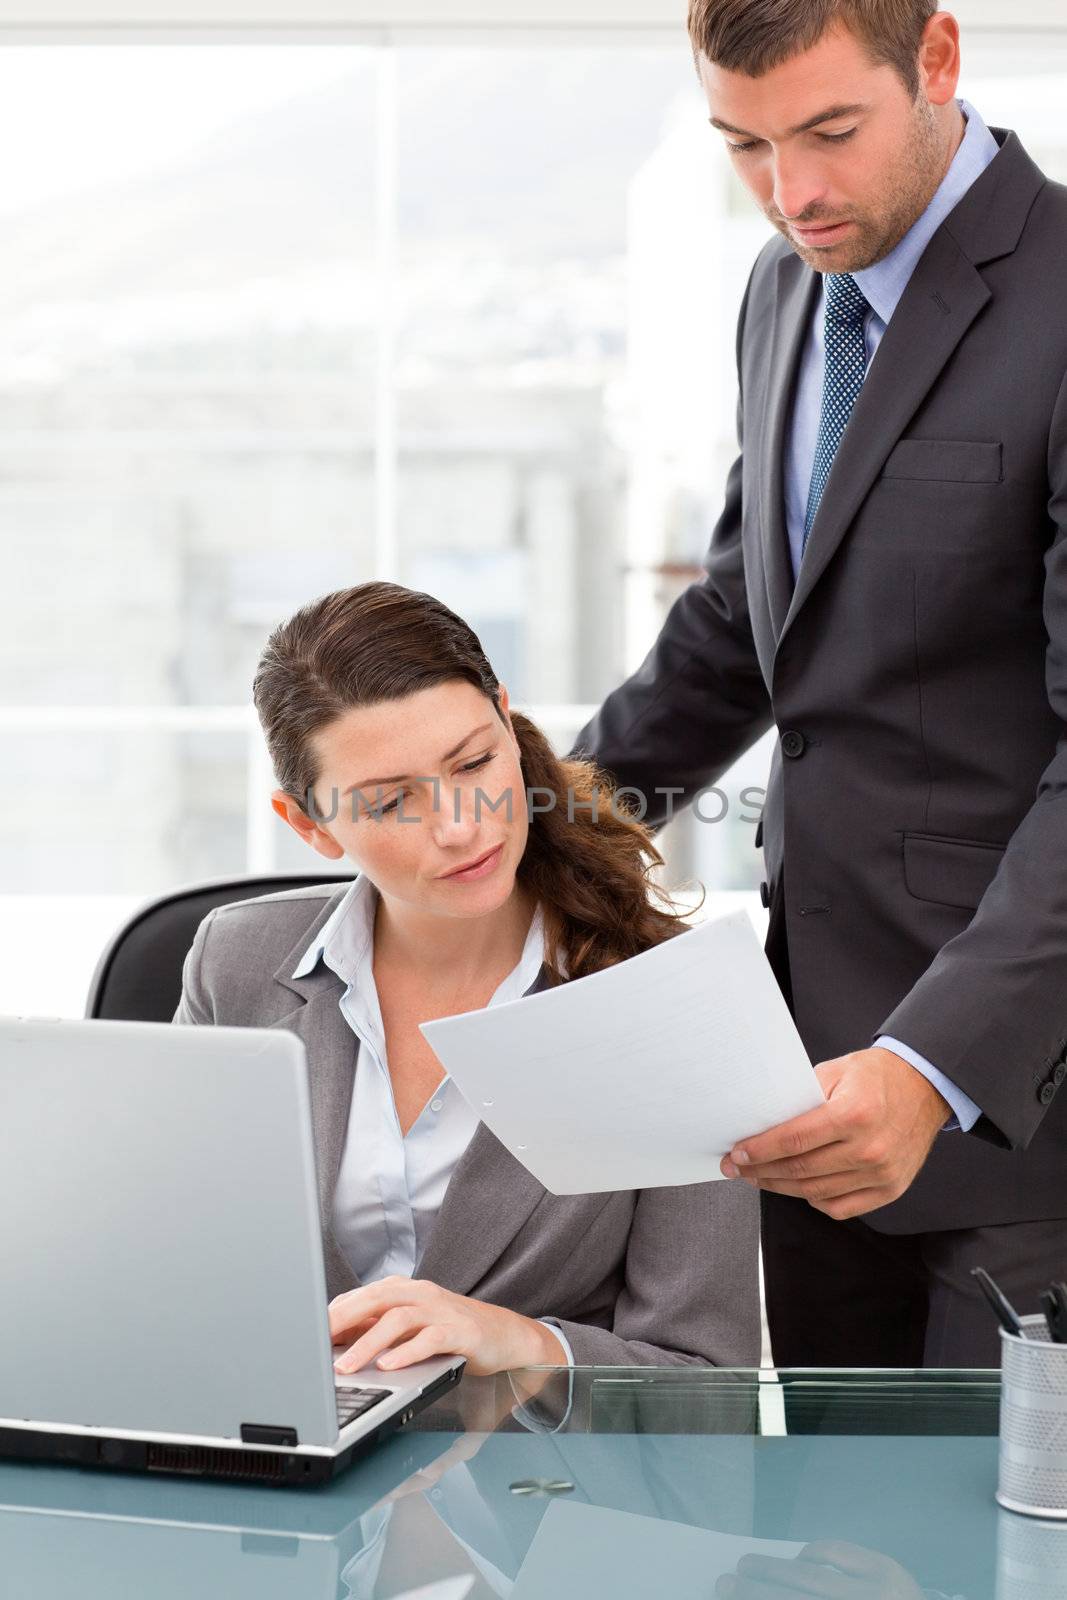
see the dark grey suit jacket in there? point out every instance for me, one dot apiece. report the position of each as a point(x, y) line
point(647, 1277)
point(916, 813)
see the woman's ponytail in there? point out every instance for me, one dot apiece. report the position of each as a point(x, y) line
point(589, 861)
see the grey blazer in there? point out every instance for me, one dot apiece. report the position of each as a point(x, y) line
point(916, 814)
point(650, 1277)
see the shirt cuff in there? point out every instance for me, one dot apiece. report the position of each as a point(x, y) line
point(550, 1322)
point(534, 1417)
point(964, 1111)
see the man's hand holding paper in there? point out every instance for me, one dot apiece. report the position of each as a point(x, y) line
point(641, 1076)
point(859, 1150)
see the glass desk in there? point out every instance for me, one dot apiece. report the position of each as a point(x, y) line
point(631, 1484)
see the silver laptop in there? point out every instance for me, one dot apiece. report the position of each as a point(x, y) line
point(163, 1289)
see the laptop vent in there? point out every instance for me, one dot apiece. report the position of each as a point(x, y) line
point(203, 1459)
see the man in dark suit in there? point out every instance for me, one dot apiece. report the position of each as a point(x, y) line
point(887, 585)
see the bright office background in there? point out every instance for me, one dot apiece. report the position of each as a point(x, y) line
point(285, 310)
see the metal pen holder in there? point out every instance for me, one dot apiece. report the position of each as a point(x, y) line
point(1033, 1422)
point(1031, 1558)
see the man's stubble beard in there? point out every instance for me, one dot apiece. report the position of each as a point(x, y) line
point(908, 190)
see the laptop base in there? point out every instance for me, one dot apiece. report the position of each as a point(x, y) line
point(237, 1463)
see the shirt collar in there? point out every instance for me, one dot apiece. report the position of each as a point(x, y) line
point(346, 938)
point(519, 981)
point(346, 935)
point(885, 282)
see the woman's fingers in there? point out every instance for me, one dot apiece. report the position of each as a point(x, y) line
point(429, 1341)
point(419, 1319)
point(351, 1331)
point(389, 1327)
point(359, 1308)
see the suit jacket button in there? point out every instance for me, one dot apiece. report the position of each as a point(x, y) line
point(764, 896)
point(1059, 1074)
point(1046, 1093)
point(793, 744)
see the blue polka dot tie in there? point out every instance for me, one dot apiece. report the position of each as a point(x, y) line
point(846, 362)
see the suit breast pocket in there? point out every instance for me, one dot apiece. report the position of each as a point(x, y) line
point(946, 461)
point(949, 872)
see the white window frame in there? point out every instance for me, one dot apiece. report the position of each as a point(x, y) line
point(388, 18)
point(386, 24)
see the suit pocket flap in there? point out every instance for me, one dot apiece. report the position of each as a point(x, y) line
point(952, 872)
point(945, 460)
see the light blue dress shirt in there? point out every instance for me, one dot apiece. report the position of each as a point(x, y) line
point(883, 284)
point(390, 1185)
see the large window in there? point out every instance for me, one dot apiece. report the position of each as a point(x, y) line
point(280, 317)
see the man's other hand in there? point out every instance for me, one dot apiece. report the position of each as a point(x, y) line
point(857, 1152)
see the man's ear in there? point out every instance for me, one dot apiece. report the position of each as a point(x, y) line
point(287, 808)
point(939, 58)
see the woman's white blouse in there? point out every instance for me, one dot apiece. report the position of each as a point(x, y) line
point(390, 1186)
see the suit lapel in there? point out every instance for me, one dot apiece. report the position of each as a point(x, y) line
point(332, 1049)
point(488, 1199)
point(942, 299)
point(944, 295)
point(795, 298)
point(489, 1196)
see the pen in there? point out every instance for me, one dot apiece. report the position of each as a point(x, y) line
point(1005, 1311)
point(1054, 1301)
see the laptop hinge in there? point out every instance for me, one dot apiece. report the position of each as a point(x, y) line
point(267, 1433)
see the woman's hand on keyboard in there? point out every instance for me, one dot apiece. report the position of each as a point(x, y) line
point(398, 1321)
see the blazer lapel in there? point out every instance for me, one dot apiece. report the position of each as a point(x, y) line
point(794, 305)
point(489, 1197)
point(332, 1049)
point(942, 299)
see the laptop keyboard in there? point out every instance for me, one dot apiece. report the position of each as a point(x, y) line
point(352, 1403)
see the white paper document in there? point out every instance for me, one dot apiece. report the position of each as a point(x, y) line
point(443, 1589)
point(580, 1551)
point(641, 1076)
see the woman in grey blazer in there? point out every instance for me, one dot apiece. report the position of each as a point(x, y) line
point(488, 868)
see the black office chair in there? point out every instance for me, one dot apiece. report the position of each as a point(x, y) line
point(139, 976)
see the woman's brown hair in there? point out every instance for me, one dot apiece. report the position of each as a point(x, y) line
point(590, 871)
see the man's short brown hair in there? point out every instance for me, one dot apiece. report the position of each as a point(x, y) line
point(752, 36)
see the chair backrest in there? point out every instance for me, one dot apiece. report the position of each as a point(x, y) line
point(139, 976)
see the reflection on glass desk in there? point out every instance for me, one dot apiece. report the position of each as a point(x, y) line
point(629, 1484)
